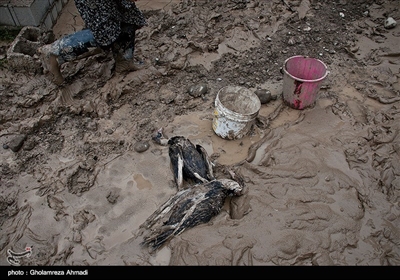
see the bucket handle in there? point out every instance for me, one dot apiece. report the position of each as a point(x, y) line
point(327, 73)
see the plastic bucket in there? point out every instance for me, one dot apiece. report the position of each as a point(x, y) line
point(302, 79)
point(236, 109)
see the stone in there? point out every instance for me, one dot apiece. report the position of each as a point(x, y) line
point(16, 143)
point(390, 23)
point(198, 90)
point(264, 95)
point(141, 146)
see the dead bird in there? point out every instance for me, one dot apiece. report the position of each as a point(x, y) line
point(186, 209)
point(189, 162)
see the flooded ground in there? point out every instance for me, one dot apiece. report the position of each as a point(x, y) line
point(321, 184)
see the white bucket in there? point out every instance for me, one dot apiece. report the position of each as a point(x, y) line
point(236, 109)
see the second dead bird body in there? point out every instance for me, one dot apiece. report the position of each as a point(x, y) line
point(188, 208)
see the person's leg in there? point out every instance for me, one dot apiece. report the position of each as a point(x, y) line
point(68, 48)
point(123, 49)
point(50, 64)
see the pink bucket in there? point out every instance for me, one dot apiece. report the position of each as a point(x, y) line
point(302, 78)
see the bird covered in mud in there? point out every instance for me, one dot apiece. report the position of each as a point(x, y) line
point(186, 209)
point(189, 162)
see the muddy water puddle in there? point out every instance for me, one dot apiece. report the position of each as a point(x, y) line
point(141, 182)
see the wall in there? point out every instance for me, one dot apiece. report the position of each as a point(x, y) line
point(39, 13)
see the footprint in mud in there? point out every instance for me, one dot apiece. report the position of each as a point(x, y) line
point(235, 249)
point(81, 219)
point(113, 195)
point(240, 206)
point(240, 247)
point(95, 247)
point(56, 204)
point(81, 180)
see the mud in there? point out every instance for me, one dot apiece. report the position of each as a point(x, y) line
point(322, 184)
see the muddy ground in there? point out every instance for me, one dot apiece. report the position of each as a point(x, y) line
point(322, 184)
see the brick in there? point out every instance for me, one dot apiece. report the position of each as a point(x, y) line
point(22, 54)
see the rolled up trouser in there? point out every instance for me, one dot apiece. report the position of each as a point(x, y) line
point(70, 47)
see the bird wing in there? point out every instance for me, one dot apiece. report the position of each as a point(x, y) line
point(207, 162)
point(174, 212)
point(165, 208)
point(194, 165)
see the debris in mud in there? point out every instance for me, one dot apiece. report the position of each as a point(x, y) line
point(198, 90)
point(81, 220)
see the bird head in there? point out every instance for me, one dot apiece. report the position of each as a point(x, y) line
point(178, 140)
point(233, 187)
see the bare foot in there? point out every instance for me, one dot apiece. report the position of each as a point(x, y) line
point(50, 65)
